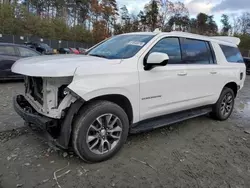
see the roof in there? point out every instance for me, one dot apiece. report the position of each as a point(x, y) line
point(140, 33)
point(33, 42)
point(219, 39)
point(11, 44)
point(20, 45)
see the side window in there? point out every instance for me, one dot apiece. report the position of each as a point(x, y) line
point(196, 52)
point(232, 54)
point(170, 46)
point(7, 50)
point(24, 52)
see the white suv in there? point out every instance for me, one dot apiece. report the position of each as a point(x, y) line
point(128, 84)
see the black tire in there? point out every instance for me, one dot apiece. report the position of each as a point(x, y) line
point(86, 117)
point(218, 112)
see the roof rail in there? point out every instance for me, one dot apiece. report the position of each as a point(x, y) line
point(233, 40)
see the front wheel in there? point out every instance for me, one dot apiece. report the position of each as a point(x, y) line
point(224, 106)
point(99, 131)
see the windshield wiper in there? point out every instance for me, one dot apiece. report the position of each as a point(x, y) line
point(98, 55)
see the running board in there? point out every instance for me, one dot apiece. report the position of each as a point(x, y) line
point(154, 123)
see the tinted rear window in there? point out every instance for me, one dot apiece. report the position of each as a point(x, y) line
point(196, 52)
point(232, 54)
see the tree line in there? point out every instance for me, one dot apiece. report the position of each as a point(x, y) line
point(91, 21)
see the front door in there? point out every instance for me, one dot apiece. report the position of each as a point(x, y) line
point(163, 90)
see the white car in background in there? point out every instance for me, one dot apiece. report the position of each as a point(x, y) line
point(129, 83)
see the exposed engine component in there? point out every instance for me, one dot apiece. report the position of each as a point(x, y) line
point(47, 95)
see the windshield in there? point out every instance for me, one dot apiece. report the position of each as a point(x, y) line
point(121, 46)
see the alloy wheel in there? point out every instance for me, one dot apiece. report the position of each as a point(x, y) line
point(226, 105)
point(104, 134)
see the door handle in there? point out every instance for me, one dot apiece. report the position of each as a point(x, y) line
point(213, 72)
point(182, 74)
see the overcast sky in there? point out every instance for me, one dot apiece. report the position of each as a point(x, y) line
point(215, 7)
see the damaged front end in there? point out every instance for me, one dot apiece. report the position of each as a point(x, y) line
point(49, 105)
point(48, 96)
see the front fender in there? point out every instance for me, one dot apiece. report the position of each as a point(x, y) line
point(91, 84)
point(87, 94)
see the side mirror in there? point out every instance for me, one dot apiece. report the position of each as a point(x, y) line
point(156, 59)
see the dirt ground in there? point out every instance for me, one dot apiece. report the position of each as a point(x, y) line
point(196, 153)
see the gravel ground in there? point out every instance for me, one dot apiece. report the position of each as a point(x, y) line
point(196, 153)
point(8, 118)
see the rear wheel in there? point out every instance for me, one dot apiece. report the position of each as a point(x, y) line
point(224, 106)
point(99, 131)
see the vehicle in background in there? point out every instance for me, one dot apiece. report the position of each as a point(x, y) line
point(64, 51)
point(74, 51)
point(55, 51)
point(9, 54)
point(82, 50)
point(247, 62)
point(43, 48)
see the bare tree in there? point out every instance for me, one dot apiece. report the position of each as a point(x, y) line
point(236, 25)
point(169, 9)
point(245, 22)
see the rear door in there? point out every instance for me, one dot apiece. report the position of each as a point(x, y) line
point(8, 56)
point(202, 72)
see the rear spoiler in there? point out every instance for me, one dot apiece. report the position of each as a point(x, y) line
point(233, 40)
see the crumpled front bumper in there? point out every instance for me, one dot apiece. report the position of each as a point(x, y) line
point(63, 126)
point(27, 112)
point(36, 121)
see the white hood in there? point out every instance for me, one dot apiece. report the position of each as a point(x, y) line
point(58, 65)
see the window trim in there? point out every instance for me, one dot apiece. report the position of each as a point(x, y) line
point(208, 46)
point(147, 54)
point(210, 54)
point(180, 40)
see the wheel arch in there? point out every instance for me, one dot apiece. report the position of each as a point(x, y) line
point(233, 86)
point(121, 101)
point(66, 126)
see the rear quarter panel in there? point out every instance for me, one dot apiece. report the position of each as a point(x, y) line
point(227, 71)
